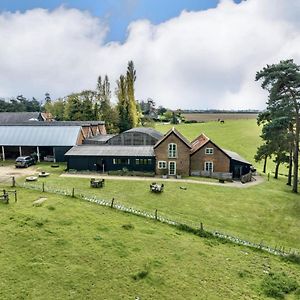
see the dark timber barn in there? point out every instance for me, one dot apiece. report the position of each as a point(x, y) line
point(131, 149)
point(111, 158)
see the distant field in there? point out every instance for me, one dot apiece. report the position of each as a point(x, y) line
point(204, 117)
point(71, 249)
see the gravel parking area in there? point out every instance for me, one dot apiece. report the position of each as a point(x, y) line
point(7, 172)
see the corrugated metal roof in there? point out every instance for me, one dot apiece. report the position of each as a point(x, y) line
point(39, 135)
point(148, 130)
point(109, 150)
point(235, 156)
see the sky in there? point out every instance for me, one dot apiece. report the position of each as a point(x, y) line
point(188, 54)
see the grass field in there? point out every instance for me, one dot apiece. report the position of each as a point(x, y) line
point(205, 117)
point(70, 249)
point(266, 213)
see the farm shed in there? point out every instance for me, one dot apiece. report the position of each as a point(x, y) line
point(104, 158)
point(136, 136)
point(238, 165)
point(19, 140)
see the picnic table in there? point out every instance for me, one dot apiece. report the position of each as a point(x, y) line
point(97, 183)
point(156, 188)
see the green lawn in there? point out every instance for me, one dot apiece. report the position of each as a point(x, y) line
point(71, 249)
point(267, 213)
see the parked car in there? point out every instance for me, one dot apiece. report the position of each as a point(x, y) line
point(24, 161)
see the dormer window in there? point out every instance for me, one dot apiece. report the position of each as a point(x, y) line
point(172, 150)
point(209, 150)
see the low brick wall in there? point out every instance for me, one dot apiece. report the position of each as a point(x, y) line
point(216, 175)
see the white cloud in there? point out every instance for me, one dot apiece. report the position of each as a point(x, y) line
point(205, 59)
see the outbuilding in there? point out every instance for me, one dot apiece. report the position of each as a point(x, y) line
point(44, 141)
point(105, 158)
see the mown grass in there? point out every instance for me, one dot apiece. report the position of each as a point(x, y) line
point(71, 249)
point(267, 213)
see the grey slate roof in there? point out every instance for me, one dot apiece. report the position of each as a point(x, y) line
point(99, 139)
point(148, 130)
point(56, 123)
point(235, 156)
point(39, 135)
point(18, 117)
point(108, 150)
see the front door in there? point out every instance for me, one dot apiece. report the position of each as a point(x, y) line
point(172, 168)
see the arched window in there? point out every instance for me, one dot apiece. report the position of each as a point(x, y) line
point(172, 150)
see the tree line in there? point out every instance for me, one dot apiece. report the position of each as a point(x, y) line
point(89, 104)
point(19, 104)
point(281, 120)
point(96, 104)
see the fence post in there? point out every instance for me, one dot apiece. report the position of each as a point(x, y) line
point(43, 187)
point(73, 192)
point(13, 181)
point(156, 214)
point(16, 197)
point(201, 226)
point(112, 203)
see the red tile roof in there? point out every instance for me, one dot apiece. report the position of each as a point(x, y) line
point(198, 142)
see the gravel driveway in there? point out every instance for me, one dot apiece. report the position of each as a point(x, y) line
point(7, 172)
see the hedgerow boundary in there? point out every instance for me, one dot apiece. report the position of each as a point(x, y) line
point(184, 225)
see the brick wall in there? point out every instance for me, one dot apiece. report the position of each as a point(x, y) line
point(183, 156)
point(221, 162)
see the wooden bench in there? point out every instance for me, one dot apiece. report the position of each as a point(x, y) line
point(99, 183)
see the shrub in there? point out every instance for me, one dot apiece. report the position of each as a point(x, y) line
point(140, 275)
point(278, 285)
point(294, 258)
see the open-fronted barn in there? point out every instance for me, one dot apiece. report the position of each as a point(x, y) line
point(47, 140)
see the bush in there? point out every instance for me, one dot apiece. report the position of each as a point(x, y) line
point(278, 285)
point(140, 275)
point(294, 258)
point(190, 121)
point(131, 173)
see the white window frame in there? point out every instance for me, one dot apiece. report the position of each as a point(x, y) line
point(175, 168)
point(172, 152)
point(161, 164)
point(207, 163)
point(209, 151)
